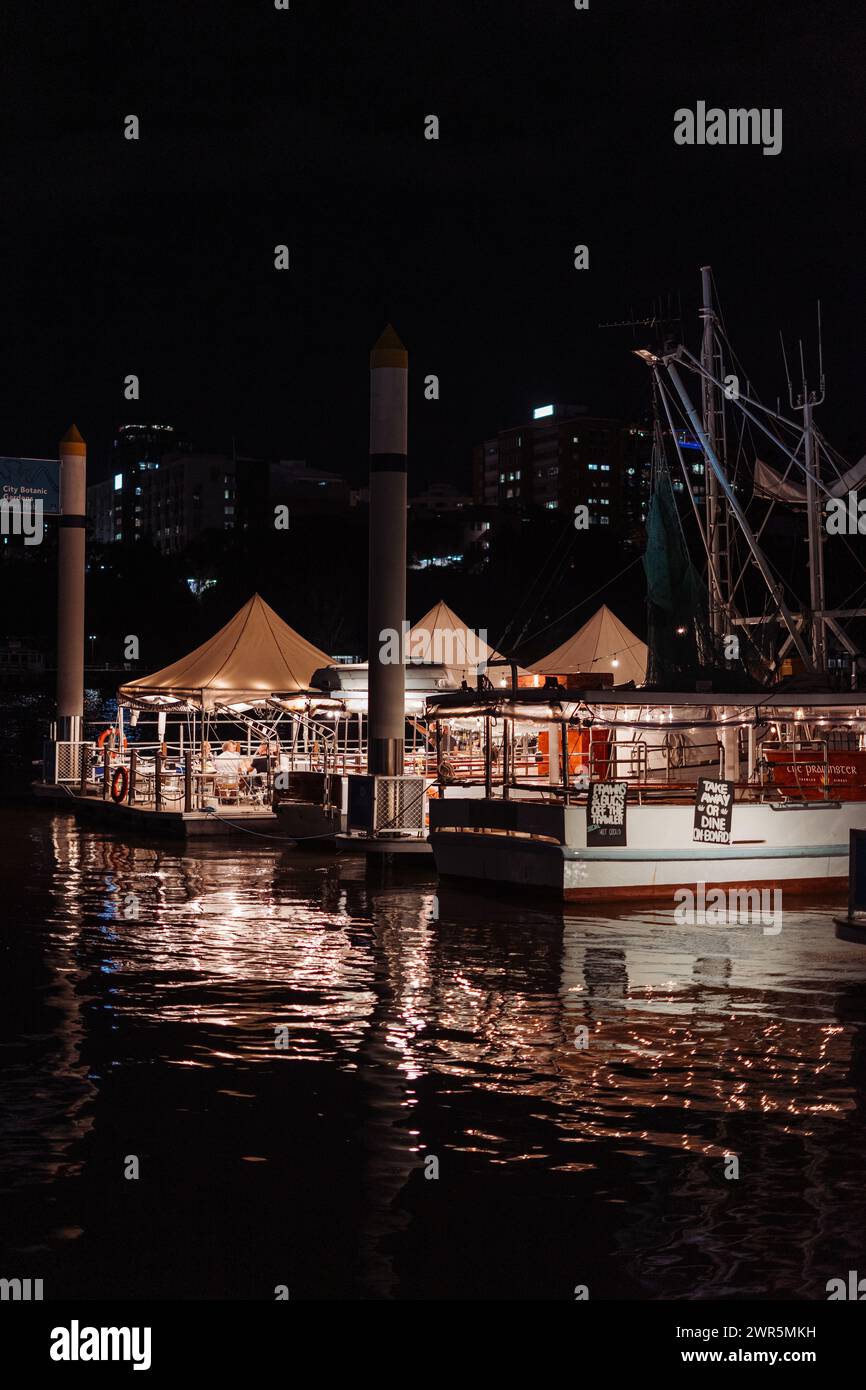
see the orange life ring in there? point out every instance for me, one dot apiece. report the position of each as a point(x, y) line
point(104, 736)
point(119, 784)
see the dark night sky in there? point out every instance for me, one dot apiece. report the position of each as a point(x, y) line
point(306, 127)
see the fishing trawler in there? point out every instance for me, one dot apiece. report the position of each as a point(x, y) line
point(635, 794)
point(718, 771)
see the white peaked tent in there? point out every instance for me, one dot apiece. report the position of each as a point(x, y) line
point(442, 639)
point(255, 654)
point(596, 646)
point(778, 487)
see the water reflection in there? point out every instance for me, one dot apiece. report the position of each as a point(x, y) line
point(285, 1043)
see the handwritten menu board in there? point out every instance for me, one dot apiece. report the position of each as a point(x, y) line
point(714, 809)
point(605, 813)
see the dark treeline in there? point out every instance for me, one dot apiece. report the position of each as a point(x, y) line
point(534, 571)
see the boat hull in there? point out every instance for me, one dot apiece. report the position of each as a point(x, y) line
point(774, 846)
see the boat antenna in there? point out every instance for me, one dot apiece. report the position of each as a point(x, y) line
point(787, 371)
point(820, 353)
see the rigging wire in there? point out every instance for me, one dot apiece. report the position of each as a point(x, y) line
point(558, 563)
point(637, 560)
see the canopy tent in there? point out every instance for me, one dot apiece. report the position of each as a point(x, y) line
point(254, 655)
point(440, 638)
point(602, 644)
point(787, 487)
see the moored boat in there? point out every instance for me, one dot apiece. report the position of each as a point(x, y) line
point(597, 797)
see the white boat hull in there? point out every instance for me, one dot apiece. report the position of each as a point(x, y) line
point(803, 848)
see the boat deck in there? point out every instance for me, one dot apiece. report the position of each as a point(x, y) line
point(144, 817)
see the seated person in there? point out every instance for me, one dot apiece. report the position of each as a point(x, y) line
point(261, 759)
point(228, 765)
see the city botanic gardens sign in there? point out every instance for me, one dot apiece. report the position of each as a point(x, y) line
point(31, 481)
point(29, 490)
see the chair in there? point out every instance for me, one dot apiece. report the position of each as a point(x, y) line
point(226, 792)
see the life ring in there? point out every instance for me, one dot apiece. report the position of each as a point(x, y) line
point(119, 784)
point(107, 734)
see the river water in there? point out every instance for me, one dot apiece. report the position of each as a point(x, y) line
point(364, 1090)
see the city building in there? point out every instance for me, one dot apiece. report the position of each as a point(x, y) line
point(136, 452)
point(176, 497)
point(262, 486)
point(445, 528)
point(19, 658)
point(171, 500)
point(563, 457)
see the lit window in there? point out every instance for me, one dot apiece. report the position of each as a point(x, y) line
point(118, 482)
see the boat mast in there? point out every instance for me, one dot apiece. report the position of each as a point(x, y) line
point(806, 402)
point(668, 362)
point(717, 530)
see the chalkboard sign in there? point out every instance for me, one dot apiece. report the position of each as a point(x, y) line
point(714, 809)
point(605, 813)
point(857, 873)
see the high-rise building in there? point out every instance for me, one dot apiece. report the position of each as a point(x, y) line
point(177, 497)
point(561, 458)
point(169, 500)
point(137, 451)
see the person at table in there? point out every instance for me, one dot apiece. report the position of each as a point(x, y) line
point(229, 765)
point(261, 758)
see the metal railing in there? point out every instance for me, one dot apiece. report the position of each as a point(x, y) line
point(671, 757)
point(821, 786)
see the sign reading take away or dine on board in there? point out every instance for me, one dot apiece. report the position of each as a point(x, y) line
point(714, 809)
